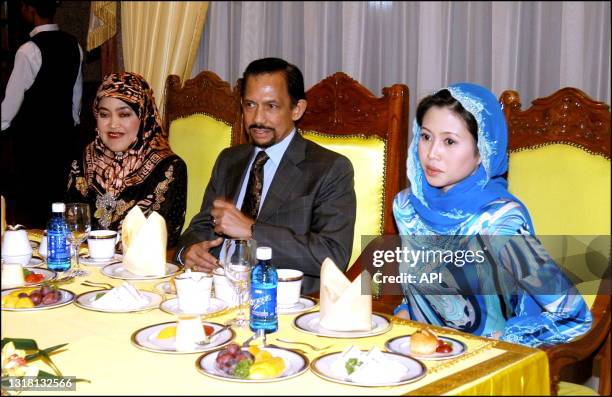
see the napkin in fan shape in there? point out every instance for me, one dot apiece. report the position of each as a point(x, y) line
point(144, 243)
point(345, 305)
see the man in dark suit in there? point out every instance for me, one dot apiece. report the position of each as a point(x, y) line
point(282, 190)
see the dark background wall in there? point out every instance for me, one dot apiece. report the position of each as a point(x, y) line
point(72, 17)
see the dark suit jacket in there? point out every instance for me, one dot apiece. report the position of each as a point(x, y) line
point(308, 213)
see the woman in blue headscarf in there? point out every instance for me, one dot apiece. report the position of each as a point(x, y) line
point(458, 198)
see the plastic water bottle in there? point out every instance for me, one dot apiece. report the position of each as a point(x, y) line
point(264, 284)
point(58, 244)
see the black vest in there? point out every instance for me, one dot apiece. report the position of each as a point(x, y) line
point(48, 101)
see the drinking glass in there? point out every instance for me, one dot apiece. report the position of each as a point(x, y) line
point(238, 256)
point(78, 218)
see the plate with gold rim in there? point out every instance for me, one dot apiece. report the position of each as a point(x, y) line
point(48, 276)
point(323, 366)
point(401, 345)
point(310, 324)
point(304, 304)
point(66, 297)
point(117, 270)
point(85, 259)
point(148, 338)
point(295, 364)
point(35, 261)
point(86, 299)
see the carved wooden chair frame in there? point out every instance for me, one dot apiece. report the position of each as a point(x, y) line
point(568, 116)
point(340, 106)
point(205, 94)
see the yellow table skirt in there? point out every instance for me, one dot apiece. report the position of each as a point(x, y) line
point(100, 350)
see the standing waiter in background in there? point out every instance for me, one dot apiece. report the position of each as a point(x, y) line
point(40, 111)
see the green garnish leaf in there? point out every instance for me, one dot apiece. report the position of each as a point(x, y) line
point(99, 295)
point(350, 365)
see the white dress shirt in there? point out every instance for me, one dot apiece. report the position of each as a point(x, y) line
point(28, 61)
point(275, 154)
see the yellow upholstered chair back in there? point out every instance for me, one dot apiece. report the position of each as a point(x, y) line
point(559, 167)
point(202, 119)
point(345, 117)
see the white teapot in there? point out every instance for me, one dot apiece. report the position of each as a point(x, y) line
point(16, 246)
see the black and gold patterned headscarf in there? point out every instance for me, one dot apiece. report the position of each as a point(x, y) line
point(112, 172)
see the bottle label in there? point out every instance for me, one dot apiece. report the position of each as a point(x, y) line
point(58, 247)
point(263, 302)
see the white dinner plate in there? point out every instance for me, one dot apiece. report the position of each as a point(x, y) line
point(401, 345)
point(35, 261)
point(309, 323)
point(49, 275)
point(322, 366)
point(304, 304)
point(116, 270)
point(85, 300)
point(171, 306)
point(66, 298)
point(146, 339)
point(85, 259)
point(295, 364)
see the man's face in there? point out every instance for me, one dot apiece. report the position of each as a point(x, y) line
point(267, 111)
point(27, 14)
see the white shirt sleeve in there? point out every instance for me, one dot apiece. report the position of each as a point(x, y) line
point(77, 91)
point(28, 61)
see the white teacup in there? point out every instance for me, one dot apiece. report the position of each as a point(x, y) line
point(101, 244)
point(16, 242)
point(289, 287)
point(223, 287)
point(42, 248)
point(193, 291)
point(189, 331)
point(16, 247)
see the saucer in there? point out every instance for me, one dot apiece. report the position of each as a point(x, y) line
point(310, 324)
point(116, 270)
point(35, 261)
point(304, 304)
point(85, 259)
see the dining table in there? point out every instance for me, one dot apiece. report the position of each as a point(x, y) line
point(102, 352)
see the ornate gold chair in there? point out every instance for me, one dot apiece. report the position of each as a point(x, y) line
point(559, 166)
point(372, 132)
point(203, 118)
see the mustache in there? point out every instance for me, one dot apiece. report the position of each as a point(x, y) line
point(261, 127)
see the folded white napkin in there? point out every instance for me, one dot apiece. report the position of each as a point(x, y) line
point(345, 305)
point(123, 297)
point(144, 243)
point(368, 367)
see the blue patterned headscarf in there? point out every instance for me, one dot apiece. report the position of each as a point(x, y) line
point(443, 212)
